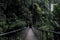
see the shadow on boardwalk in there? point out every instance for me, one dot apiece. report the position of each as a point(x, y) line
point(30, 35)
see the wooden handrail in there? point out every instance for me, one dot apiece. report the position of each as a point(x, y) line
point(49, 31)
point(12, 31)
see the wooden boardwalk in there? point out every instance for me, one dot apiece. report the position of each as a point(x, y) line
point(30, 35)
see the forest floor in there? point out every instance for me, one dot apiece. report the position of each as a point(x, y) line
point(30, 35)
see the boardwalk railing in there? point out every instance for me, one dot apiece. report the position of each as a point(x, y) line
point(12, 35)
point(49, 35)
point(42, 34)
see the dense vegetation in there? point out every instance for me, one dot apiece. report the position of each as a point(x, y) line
point(16, 14)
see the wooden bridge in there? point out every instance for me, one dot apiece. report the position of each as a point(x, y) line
point(30, 34)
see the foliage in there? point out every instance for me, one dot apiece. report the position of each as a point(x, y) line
point(57, 10)
point(20, 13)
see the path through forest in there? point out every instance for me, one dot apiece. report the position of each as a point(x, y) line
point(30, 35)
